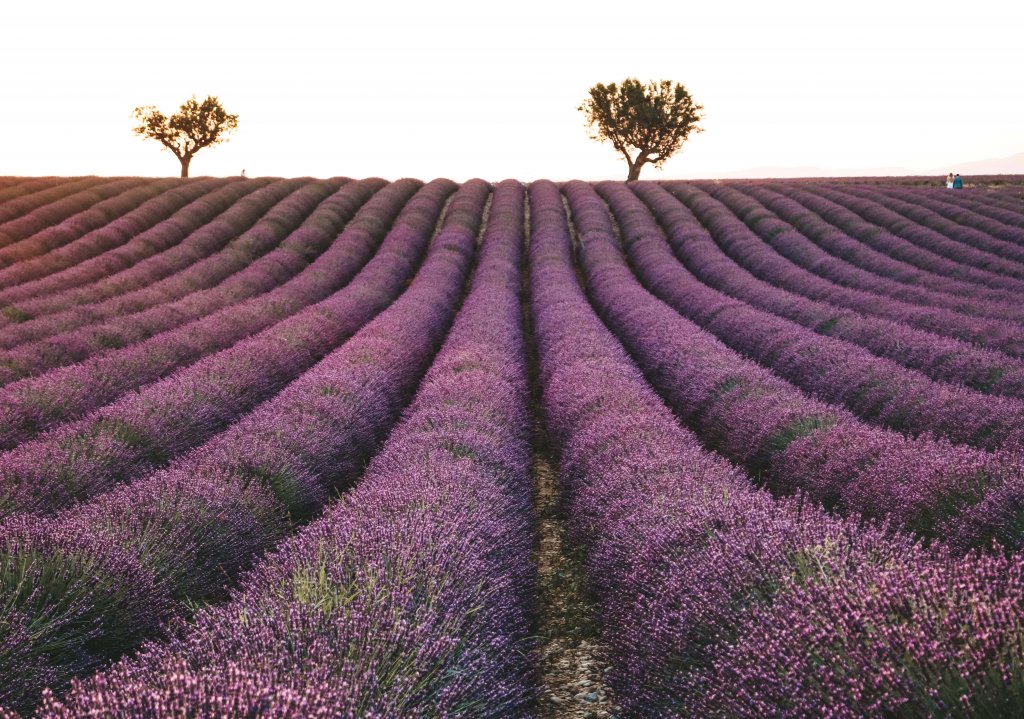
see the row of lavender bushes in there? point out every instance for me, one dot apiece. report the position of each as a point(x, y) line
point(832, 280)
point(201, 239)
point(994, 221)
point(117, 356)
point(941, 358)
point(717, 600)
point(790, 441)
point(995, 204)
point(411, 597)
point(127, 239)
point(58, 223)
point(855, 262)
point(86, 234)
point(962, 243)
point(27, 213)
point(878, 390)
point(13, 195)
point(845, 234)
point(145, 429)
point(301, 226)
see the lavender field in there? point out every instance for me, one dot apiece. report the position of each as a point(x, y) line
point(356, 448)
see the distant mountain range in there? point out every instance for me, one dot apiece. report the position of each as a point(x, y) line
point(1012, 165)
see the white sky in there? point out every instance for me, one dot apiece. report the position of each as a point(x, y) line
point(463, 89)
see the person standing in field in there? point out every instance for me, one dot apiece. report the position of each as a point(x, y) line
point(958, 182)
point(949, 181)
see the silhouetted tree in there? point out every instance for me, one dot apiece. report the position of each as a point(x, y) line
point(652, 120)
point(195, 126)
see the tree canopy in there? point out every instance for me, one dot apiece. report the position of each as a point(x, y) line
point(196, 125)
point(651, 120)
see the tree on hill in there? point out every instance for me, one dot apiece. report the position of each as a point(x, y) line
point(651, 120)
point(196, 125)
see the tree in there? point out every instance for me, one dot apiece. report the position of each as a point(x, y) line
point(652, 120)
point(195, 126)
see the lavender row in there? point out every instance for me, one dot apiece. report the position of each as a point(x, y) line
point(981, 236)
point(17, 187)
point(856, 263)
point(923, 228)
point(144, 430)
point(982, 205)
point(80, 236)
point(846, 235)
point(197, 237)
point(778, 255)
point(792, 442)
point(23, 200)
point(1009, 230)
point(171, 540)
point(878, 390)
point(717, 600)
point(941, 358)
point(122, 242)
point(34, 404)
point(210, 319)
point(57, 223)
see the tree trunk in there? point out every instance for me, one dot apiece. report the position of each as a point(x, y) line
point(634, 167)
point(184, 165)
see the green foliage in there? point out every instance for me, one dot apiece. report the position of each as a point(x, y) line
point(652, 120)
point(196, 125)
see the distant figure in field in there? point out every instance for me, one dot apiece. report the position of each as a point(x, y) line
point(243, 174)
point(949, 181)
point(958, 182)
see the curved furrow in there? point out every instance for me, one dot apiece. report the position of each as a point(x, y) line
point(941, 358)
point(974, 238)
point(123, 241)
point(23, 199)
point(211, 241)
point(186, 529)
point(719, 601)
point(984, 204)
point(917, 225)
point(789, 440)
point(82, 236)
point(780, 258)
point(144, 430)
point(847, 236)
point(213, 319)
point(836, 263)
point(65, 220)
point(967, 214)
point(877, 390)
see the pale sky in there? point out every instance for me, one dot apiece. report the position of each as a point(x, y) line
point(485, 89)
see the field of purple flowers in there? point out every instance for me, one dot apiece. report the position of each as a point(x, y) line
point(270, 448)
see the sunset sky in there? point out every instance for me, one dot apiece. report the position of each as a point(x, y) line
point(463, 89)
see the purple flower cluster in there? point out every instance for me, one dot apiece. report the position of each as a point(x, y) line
point(791, 441)
point(205, 518)
point(129, 238)
point(699, 576)
point(941, 358)
point(202, 252)
point(799, 265)
point(430, 553)
point(876, 389)
point(883, 253)
point(143, 430)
